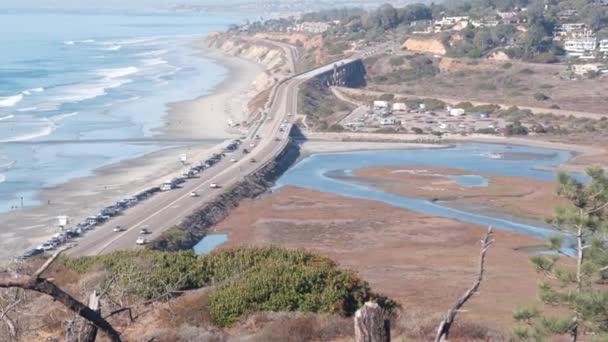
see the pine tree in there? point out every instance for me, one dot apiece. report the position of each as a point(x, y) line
point(579, 286)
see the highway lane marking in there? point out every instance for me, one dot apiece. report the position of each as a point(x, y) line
point(283, 102)
point(205, 183)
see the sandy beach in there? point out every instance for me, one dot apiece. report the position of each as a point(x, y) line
point(199, 126)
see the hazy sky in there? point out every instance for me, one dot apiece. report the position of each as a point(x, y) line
point(97, 3)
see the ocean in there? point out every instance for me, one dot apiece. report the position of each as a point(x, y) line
point(78, 87)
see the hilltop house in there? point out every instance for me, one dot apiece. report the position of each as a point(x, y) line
point(388, 121)
point(580, 47)
point(604, 47)
point(380, 104)
point(399, 107)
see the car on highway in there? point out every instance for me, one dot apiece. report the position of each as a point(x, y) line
point(277, 139)
point(257, 136)
point(252, 145)
point(141, 241)
point(144, 231)
point(119, 228)
point(233, 160)
point(194, 194)
point(253, 160)
point(214, 185)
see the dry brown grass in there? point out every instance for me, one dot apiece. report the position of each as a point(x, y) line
point(296, 327)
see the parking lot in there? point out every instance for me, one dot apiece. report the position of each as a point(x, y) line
point(369, 119)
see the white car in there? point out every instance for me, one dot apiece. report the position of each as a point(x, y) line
point(119, 228)
point(214, 185)
point(141, 241)
point(232, 160)
point(252, 145)
point(193, 194)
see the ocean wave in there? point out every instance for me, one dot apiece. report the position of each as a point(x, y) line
point(69, 42)
point(33, 90)
point(130, 41)
point(6, 117)
point(42, 132)
point(27, 109)
point(153, 53)
point(2, 178)
point(154, 61)
point(6, 164)
point(113, 48)
point(60, 117)
point(85, 92)
point(10, 101)
point(117, 73)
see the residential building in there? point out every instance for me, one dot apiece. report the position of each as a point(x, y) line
point(388, 121)
point(484, 23)
point(573, 30)
point(380, 104)
point(577, 47)
point(399, 107)
point(604, 46)
point(310, 27)
point(456, 111)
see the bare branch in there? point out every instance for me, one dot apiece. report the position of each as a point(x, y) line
point(445, 325)
point(48, 263)
point(35, 283)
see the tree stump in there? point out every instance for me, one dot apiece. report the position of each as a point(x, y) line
point(372, 324)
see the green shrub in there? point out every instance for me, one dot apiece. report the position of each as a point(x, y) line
point(275, 279)
point(146, 273)
point(246, 279)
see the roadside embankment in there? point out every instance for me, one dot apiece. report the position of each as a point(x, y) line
point(194, 227)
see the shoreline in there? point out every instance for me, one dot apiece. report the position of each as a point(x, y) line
point(81, 197)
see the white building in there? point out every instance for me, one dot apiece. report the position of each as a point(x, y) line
point(388, 121)
point(399, 107)
point(380, 104)
point(604, 45)
point(456, 111)
point(311, 27)
point(580, 46)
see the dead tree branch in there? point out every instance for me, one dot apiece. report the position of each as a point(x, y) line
point(445, 325)
point(36, 283)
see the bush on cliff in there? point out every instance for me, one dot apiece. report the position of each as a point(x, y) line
point(246, 279)
point(276, 279)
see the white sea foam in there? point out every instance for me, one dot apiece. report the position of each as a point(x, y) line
point(27, 109)
point(153, 53)
point(33, 90)
point(10, 101)
point(84, 92)
point(69, 42)
point(154, 61)
point(2, 178)
point(117, 73)
point(6, 117)
point(47, 129)
point(60, 117)
point(113, 48)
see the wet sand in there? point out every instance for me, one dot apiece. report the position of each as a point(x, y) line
point(424, 262)
point(204, 120)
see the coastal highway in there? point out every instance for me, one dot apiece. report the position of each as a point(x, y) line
point(167, 209)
